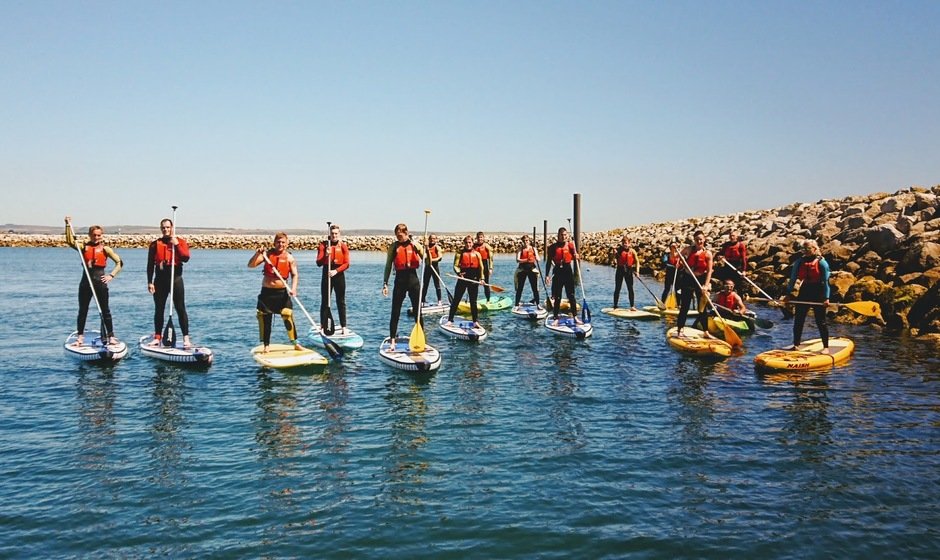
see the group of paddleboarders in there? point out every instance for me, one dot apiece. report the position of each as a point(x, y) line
point(690, 270)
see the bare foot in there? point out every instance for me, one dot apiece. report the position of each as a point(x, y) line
point(79, 341)
point(112, 340)
point(186, 342)
point(298, 347)
point(156, 341)
point(264, 350)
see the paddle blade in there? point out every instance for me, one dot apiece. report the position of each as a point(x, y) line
point(763, 323)
point(497, 289)
point(416, 341)
point(169, 335)
point(334, 350)
point(585, 312)
point(866, 308)
point(671, 301)
point(731, 337)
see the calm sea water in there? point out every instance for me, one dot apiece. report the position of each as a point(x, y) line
point(525, 445)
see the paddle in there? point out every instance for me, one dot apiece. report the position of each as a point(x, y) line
point(326, 314)
point(762, 323)
point(494, 287)
point(417, 342)
point(450, 296)
point(865, 307)
point(751, 282)
point(659, 303)
point(585, 310)
point(671, 302)
point(105, 335)
point(549, 304)
point(731, 337)
point(169, 331)
point(335, 350)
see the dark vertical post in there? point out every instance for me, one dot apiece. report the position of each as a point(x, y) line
point(545, 241)
point(576, 212)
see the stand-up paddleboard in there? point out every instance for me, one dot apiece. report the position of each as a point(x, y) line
point(531, 311)
point(808, 356)
point(431, 308)
point(716, 326)
point(495, 303)
point(626, 313)
point(463, 329)
point(284, 356)
point(694, 342)
point(403, 358)
point(178, 354)
point(345, 338)
point(94, 349)
point(669, 312)
point(569, 326)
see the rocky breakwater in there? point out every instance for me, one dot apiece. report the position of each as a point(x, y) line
point(882, 247)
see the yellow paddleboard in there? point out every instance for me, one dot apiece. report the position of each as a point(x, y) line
point(697, 343)
point(283, 356)
point(808, 356)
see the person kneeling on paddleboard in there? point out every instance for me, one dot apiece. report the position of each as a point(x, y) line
point(274, 296)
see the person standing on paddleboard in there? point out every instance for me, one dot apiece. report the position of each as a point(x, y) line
point(813, 272)
point(671, 264)
point(627, 266)
point(338, 259)
point(274, 296)
point(432, 272)
point(404, 255)
point(468, 263)
point(160, 258)
point(486, 253)
point(527, 258)
point(699, 260)
point(95, 254)
point(733, 252)
point(564, 256)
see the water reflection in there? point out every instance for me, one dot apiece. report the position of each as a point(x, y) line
point(167, 445)
point(406, 466)
point(564, 373)
point(96, 393)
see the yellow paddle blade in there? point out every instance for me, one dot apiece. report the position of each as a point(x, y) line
point(671, 301)
point(732, 337)
point(866, 308)
point(416, 341)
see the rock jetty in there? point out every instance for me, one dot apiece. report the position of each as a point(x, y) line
point(882, 247)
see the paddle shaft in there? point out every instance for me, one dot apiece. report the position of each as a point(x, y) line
point(751, 282)
point(293, 297)
point(480, 282)
point(169, 321)
point(659, 303)
point(91, 285)
point(731, 337)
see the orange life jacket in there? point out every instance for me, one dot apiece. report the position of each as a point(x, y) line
point(564, 254)
point(483, 249)
point(625, 257)
point(94, 256)
point(698, 262)
point(470, 259)
point(527, 254)
point(434, 251)
point(164, 253)
point(406, 256)
point(727, 299)
point(672, 259)
point(279, 262)
point(734, 253)
point(810, 271)
point(338, 254)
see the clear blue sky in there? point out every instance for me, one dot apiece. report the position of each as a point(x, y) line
point(287, 114)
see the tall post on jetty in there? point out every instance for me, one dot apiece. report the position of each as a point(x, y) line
point(545, 240)
point(576, 212)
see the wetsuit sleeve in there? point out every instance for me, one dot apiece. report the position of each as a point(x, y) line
point(344, 249)
point(118, 264)
point(457, 263)
point(182, 250)
point(795, 269)
point(151, 266)
point(743, 257)
point(321, 254)
point(636, 262)
point(71, 241)
point(388, 261)
point(824, 272)
point(548, 261)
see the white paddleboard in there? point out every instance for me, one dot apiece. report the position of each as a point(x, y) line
point(463, 329)
point(431, 309)
point(403, 358)
point(94, 349)
point(284, 356)
point(178, 354)
point(569, 326)
point(530, 311)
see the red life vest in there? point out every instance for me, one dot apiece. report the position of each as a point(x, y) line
point(672, 259)
point(625, 258)
point(470, 259)
point(94, 256)
point(810, 271)
point(163, 253)
point(698, 262)
point(280, 262)
point(338, 254)
point(564, 254)
point(406, 257)
point(527, 255)
point(483, 249)
point(727, 299)
point(734, 253)
point(434, 251)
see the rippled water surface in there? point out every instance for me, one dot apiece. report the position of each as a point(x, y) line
point(525, 445)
